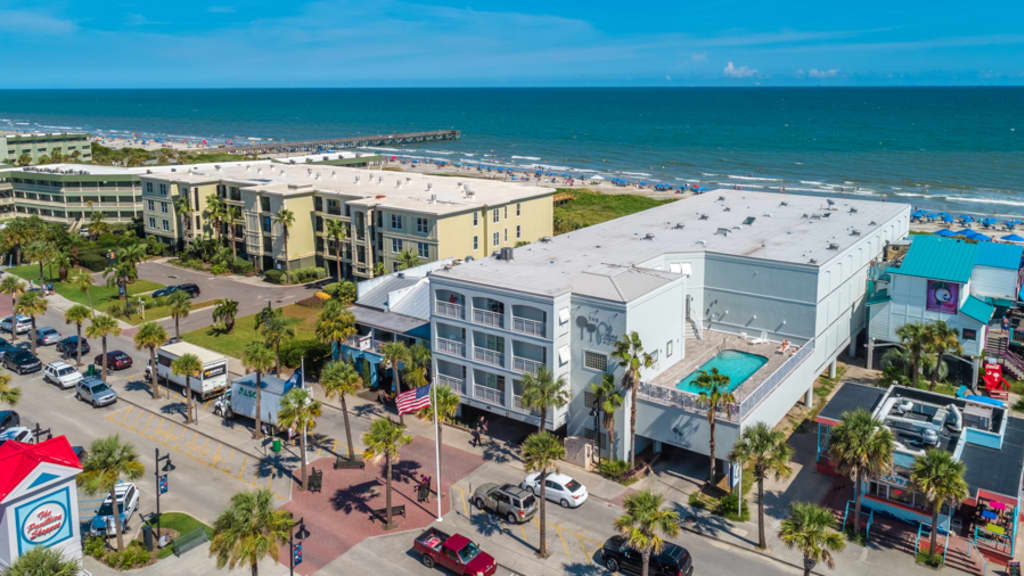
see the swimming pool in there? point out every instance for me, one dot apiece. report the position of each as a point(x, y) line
point(735, 364)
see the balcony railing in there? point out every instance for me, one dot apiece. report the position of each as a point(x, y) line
point(488, 318)
point(488, 356)
point(449, 310)
point(527, 326)
point(526, 365)
point(457, 385)
point(517, 403)
point(453, 347)
point(489, 395)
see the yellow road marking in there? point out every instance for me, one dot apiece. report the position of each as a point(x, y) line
point(125, 417)
point(522, 528)
point(150, 420)
point(334, 447)
point(564, 545)
point(586, 554)
point(241, 469)
point(465, 505)
point(136, 422)
point(270, 480)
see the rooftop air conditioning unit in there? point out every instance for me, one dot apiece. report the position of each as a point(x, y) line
point(649, 236)
point(833, 246)
point(545, 239)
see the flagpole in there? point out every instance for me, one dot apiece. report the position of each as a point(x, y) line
point(437, 450)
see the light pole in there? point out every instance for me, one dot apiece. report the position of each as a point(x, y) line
point(295, 554)
point(161, 484)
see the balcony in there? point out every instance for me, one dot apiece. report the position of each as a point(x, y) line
point(488, 318)
point(449, 310)
point(490, 395)
point(458, 385)
point(517, 403)
point(527, 326)
point(488, 356)
point(448, 346)
point(525, 365)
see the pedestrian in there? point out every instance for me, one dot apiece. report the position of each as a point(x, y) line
point(423, 489)
point(476, 436)
point(483, 426)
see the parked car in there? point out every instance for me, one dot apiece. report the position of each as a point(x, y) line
point(560, 488)
point(22, 361)
point(673, 560)
point(16, 433)
point(116, 360)
point(514, 504)
point(9, 419)
point(22, 324)
point(47, 335)
point(62, 374)
point(192, 289)
point(6, 348)
point(95, 391)
point(102, 524)
point(69, 346)
point(458, 554)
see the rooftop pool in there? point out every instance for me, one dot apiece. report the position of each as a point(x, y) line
point(735, 364)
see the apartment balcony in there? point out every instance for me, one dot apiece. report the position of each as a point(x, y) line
point(458, 385)
point(489, 395)
point(517, 403)
point(449, 346)
point(526, 365)
point(488, 318)
point(488, 356)
point(449, 310)
point(527, 326)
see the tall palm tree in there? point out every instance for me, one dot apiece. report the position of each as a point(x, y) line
point(540, 451)
point(216, 211)
point(714, 393)
point(8, 394)
point(249, 530)
point(643, 524)
point(180, 304)
point(97, 225)
point(940, 478)
point(286, 219)
point(40, 561)
point(418, 366)
point(225, 312)
point(259, 358)
point(335, 325)
point(941, 340)
point(38, 251)
point(609, 406)
point(31, 304)
point(914, 338)
point(766, 451)
point(109, 461)
point(125, 270)
point(151, 336)
point(187, 365)
point(337, 230)
point(275, 330)
point(383, 441)
point(183, 212)
point(861, 446)
point(629, 351)
point(542, 392)
point(62, 260)
point(299, 411)
point(14, 286)
point(395, 353)
point(447, 405)
point(77, 315)
point(101, 327)
point(341, 378)
point(81, 279)
point(811, 530)
point(408, 259)
point(233, 217)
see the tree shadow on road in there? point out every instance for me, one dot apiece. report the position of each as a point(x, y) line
point(706, 523)
point(488, 524)
point(499, 452)
point(276, 466)
point(174, 408)
point(355, 498)
point(134, 385)
point(584, 569)
point(405, 471)
point(366, 410)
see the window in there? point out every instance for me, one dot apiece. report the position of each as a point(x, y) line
point(149, 187)
point(152, 222)
point(668, 349)
point(265, 205)
point(422, 226)
point(494, 215)
point(595, 361)
point(163, 189)
point(506, 211)
point(497, 239)
point(423, 250)
point(969, 334)
point(476, 243)
point(563, 355)
point(396, 222)
point(151, 205)
point(476, 219)
point(506, 234)
point(166, 225)
point(519, 231)
point(654, 357)
point(163, 207)
point(396, 245)
point(266, 224)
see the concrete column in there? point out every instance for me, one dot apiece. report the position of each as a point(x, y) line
point(871, 352)
point(974, 374)
point(809, 396)
point(852, 351)
point(832, 368)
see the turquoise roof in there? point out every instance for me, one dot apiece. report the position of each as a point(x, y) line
point(999, 255)
point(939, 258)
point(976, 309)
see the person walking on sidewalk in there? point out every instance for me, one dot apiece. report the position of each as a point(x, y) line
point(476, 436)
point(423, 489)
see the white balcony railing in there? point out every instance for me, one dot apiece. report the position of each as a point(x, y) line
point(489, 395)
point(449, 310)
point(453, 347)
point(488, 356)
point(527, 326)
point(517, 403)
point(488, 318)
point(458, 385)
point(526, 365)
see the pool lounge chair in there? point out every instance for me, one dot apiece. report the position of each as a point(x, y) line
point(784, 347)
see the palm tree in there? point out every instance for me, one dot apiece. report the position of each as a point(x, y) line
point(225, 312)
point(233, 216)
point(187, 365)
point(81, 279)
point(384, 440)
point(180, 304)
point(542, 392)
point(286, 218)
point(38, 251)
point(151, 336)
point(299, 410)
point(540, 451)
point(101, 327)
point(341, 378)
point(914, 338)
point(31, 304)
point(418, 366)
point(249, 530)
point(408, 259)
point(40, 561)
point(124, 271)
point(766, 451)
point(335, 325)
point(14, 286)
point(258, 358)
point(643, 524)
point(447, 402)
point(394, 354)
point(861, 446)
point(216, 211)
point(276, 329)
point(109, 461)
point(77, 315)
point(62, 260)
point(629, 351)
point(183, 211)
point(609, 406)
point(811, 530)
point(715, 394)
point(337, 230)
point(8, 394)
point(941, 340)
point(940, 478)
point(97, 225)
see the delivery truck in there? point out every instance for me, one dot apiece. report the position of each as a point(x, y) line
point(241, 399)
point(211, 380)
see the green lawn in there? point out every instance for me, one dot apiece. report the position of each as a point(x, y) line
point(180, 523)
point(589, 208)
point(101, 295)
point(158, 312)
point(300, 318)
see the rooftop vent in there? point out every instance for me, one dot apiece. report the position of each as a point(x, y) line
point(830, 201)
point(721, 198)
point(722, 232)
point(679, 226)
point(702, 217)
point(783, 203)
point(854, 232)
point(429, 186)
point(545, 239)
point(749, 220)
point(649, 236)
point(872, 223)
point(433, 198)
point(702, 242)
point(812, 261)
point(216, 167)
point(505, 254)
point(726, 209)
point(852, 210)
point(833, 246)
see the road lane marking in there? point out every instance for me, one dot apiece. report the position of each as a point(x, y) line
point(564, 545)
point(241, 469)
point(126, 413)
point(586, 553)
point(146, 426)
point(136, 422)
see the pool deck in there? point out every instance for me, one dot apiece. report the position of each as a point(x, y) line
point(700, 351)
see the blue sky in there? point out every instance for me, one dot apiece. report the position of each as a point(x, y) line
point(220, 43)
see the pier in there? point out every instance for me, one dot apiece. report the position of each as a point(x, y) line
point(351, 142)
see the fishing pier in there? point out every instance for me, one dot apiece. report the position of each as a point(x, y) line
point(351, 142)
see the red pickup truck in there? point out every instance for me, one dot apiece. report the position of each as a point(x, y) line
point(456, 553)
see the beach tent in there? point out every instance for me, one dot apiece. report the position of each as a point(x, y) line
point(978, 236)
point(1013, 238)
point(988, 222)
point(946, 232)
point(946, 217)
point(966, 218)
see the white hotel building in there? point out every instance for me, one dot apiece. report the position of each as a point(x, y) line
point(734, 271)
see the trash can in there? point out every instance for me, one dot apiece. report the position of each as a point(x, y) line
point(91, 371)
point(276, 446)
point(147, 537)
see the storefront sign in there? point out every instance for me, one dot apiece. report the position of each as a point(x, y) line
point(44, 521)
point(943, 297)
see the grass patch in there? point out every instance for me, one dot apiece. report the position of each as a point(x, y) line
point(158, 312)
point(182, 524)
point(588, 208)
point(101, 295)
point(300, 318)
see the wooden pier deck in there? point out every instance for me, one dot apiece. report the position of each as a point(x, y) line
point(350, 142)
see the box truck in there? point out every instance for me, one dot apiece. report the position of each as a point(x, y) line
point(241, 399)
point(211, 380)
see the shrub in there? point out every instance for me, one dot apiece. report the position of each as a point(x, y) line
point(929, 559)
point(346, 292)
point(726, 508)
point(614, 469)
point(243, 267)
point(310, 274)
point(219, 269)
point(314, 351)
point(273, 276)
point(133, 556)
point(95, 546)
point(696, 501)
point(94, 260)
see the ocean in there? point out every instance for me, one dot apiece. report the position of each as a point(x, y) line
point(956, 149)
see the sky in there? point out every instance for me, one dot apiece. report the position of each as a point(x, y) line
point(398, 43)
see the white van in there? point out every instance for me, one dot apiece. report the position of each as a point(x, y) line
point(213, 378)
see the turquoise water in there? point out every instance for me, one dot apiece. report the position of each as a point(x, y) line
point(737, 365)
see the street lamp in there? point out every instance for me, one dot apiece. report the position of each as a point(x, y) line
point(295, 550)
point(161, 483)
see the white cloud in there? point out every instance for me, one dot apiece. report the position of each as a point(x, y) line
point(28, 22)
point(816, 73)
point(738, 72)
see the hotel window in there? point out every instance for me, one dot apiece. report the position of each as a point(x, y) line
point(424, 250)
point(163, 189)
point(497, 239)
point(149, 187)
point(396, 222)
point(595, 361)
point(422, 225)
point(668, 349)
point(969, 334)
point(318, 203)
point(396, 245)
point(265, 205)
point(163, 207)
point(152, 222)
point(506, 210)
point(506, 234)
point(151, 205)
point(519, 231)
point(266, 224)
point(494, 215)
point(476, 243)
point(476, 219)
point(166, 225)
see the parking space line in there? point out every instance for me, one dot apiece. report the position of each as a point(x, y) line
point(465, 505)
point(586, 553)
point(241, 469)
point(136, 422)
point(146, 427)
point(125, 417)
point(522, 529)
point(560, 537)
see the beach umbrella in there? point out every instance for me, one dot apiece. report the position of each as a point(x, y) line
point(966, 218)
point(946, 218)
point(980, 237)
point(945, 232)
point(988, 222)
point(1013, 238)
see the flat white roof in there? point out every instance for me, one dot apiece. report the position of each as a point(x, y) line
point(205, 356)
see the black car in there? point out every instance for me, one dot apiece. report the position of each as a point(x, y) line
point(9, 419)
point(22, 361)
point(5, 348)
point(192, 289)
point(619, 557)
point(69, 346)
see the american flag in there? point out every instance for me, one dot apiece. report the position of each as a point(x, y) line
point(413, 400)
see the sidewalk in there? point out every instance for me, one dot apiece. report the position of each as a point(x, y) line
point(196, 561)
